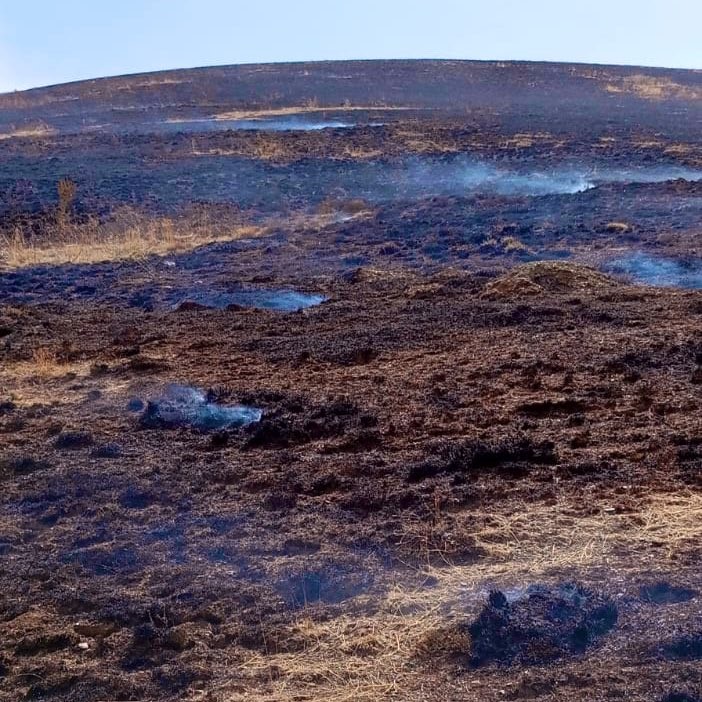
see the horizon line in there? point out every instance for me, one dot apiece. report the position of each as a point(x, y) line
point(244, 64)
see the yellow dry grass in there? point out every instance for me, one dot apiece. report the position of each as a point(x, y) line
point(652, 88)
point(268, 149)
point(618, 227)
point(361, 153)
point(133, 236)
point(691, 152)
point(302, 109)
point(51, 376)
point(511, 244)
point(47, 377)
point(38, 131)
point(537, 277)
point(45, 364)
point(265, 147)
point(418, 142)
point(368, 657)
point(95, 243)
point(526, 140)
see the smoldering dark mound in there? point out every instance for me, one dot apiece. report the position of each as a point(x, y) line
point(183, 406)
point(543, 625)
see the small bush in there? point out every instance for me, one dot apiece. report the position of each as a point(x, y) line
point(67, 191)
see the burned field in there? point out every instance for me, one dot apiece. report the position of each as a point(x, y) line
point(398, 399)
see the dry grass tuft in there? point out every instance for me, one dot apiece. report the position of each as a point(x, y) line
point(266, 148)
point(420, 144)
point(618, 227)
point(333, 206)
point(527, 140)
point(46, 364)
point(510, 244)
point(361, 153)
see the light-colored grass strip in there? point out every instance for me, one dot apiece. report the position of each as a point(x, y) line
point(93, 244)
point(138, 237)
point(305, 109)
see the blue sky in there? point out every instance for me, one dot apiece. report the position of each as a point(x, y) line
point(52, 41)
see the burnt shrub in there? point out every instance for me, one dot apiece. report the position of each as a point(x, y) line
point(689, 458)
point(72, 440)
point(21, 465)
point(542, 625)
point(552, 408)
point(663, 593)
point(509, 457)
point(109, 450)
point(105, 561)
point(45, 643)
point(148, 642)
point(684, 648)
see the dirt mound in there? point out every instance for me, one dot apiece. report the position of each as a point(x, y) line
point(547, 277)
point(366, 274)
point(542, 625)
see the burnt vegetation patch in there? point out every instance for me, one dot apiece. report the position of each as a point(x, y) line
point(552, 408)
point(684, 648)
point(507, 458)
point(663, 593)
point(689, 458)
point(452, 412)
point(73, 440)
point(543, 625)
point(289, 421)
point(119, 561)
point(331, 583)
point(21, 465)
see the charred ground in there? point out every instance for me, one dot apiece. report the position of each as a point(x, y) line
point(477, 473)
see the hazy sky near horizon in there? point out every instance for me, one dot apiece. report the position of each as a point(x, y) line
point(53, 41)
